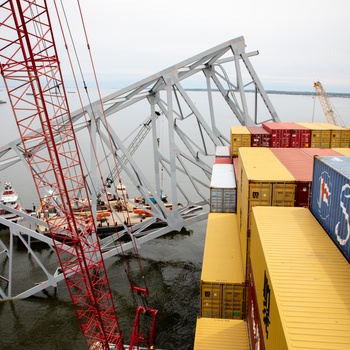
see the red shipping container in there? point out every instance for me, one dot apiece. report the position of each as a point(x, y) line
point(260, 137)
point(287, 134)
point(280, 135)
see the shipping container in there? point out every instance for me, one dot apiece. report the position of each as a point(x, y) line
point(223, 292)
point(320, 136)
point(288, 134)
point(342, 151)
point(214, 333)
point(240, 137)
point(301, 279)
point(331, 198)
point(263, 181)
point(300, 165)
point(260, 137)
point(256, 338)
point(280, 135)
point(223, 191)
point(340, 136)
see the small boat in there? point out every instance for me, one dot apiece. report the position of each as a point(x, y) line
point(10, 198)
point(2, 101)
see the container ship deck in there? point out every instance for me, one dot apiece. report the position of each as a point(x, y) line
point(276, 271)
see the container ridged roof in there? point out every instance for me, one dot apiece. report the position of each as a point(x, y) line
point(261, 165)
point(215, 333)
point(309, 278)
point(222, 258)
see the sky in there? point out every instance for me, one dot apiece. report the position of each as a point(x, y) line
point(299, 42)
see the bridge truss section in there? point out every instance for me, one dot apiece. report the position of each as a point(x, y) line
point(164, 130)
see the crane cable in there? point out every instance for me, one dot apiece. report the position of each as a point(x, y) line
point(133, 287)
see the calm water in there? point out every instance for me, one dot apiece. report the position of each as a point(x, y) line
point(172, 266)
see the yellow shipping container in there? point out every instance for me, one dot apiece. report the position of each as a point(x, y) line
point(340, 136)
point(343, 151)
point(264, 181)
point(214, 333)
point(302, 281)
point(223, 292)
point(320, 136)
point(240, 137)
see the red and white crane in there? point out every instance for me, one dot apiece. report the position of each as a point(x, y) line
point(31, 71)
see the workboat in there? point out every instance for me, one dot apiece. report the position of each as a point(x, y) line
point(10, 198)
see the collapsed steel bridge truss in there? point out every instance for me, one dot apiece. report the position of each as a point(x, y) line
point(170, 147)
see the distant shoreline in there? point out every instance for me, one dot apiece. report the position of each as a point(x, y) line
point(282, 92)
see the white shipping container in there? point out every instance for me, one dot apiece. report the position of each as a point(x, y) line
point(223, 189)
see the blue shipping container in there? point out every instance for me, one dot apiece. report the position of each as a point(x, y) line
point(330, 202)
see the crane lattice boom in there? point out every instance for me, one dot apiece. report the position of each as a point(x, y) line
point(31, 71)
point(325, 102)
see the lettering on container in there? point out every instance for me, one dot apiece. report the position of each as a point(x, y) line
point(325, 191)
point(266, 305)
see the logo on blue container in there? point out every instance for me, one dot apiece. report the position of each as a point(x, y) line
point(325, 191)
point(342, 229)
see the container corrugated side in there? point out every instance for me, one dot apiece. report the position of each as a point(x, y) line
point(240, 137)
point(255, 332)
point(302, 281)
point(263, 180)
point(280, 134)
point(331, 198)
point(340, 136)
point(320, 136)
point(223, 191)
point(213, 333)
point(260, 137)
point(223, 293)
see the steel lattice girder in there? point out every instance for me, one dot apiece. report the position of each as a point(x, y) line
point(227, 72)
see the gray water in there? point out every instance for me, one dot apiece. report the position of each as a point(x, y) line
point(172, 267)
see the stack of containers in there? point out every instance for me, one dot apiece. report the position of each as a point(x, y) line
point(223, 189)
point(262, 181)
point(331, 198)
point(260, 137)
point(288, 134)
point(340, 136)
point(301, 281)
point(223, 292)
point(240, 137)
point(320, 136)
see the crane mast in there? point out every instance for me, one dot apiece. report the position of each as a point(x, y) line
point(326, 105)
point(31, 71)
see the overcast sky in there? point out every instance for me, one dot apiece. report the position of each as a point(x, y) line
point(299, 41)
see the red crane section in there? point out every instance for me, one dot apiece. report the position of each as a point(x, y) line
point(31, 71)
